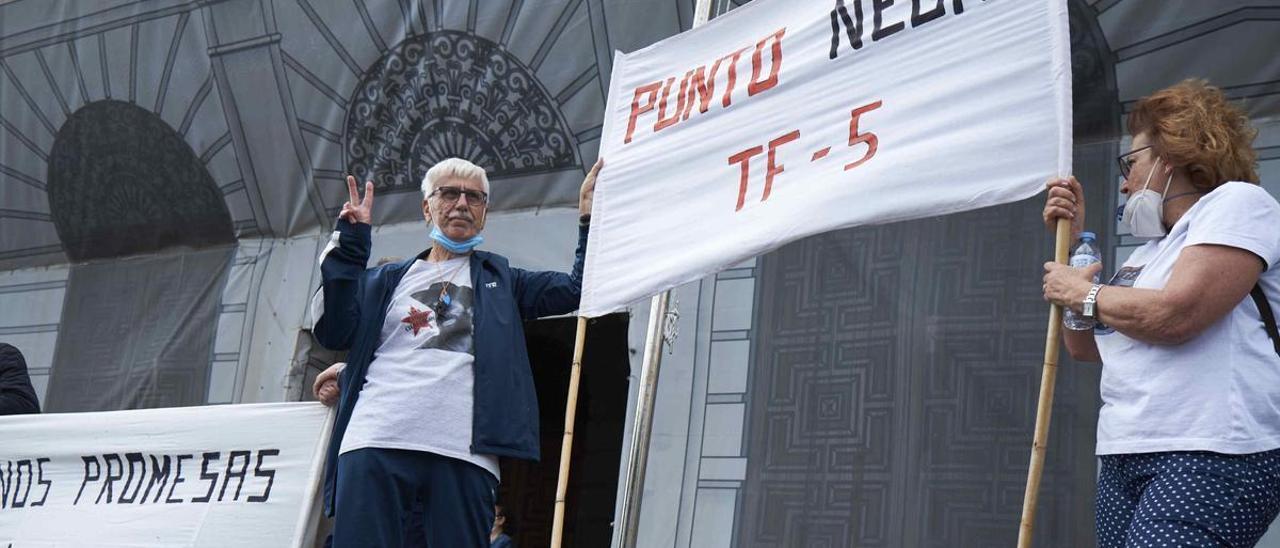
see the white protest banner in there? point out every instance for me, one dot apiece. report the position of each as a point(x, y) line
point(783, 119)
point(228, 475)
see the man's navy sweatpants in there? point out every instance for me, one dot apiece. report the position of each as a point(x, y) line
point(393, 497)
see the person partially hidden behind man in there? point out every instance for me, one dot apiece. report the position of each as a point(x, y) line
point(17, 397)
point(437, 383)
point(504, 525)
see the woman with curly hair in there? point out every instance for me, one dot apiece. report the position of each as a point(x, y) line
point(1189, 429)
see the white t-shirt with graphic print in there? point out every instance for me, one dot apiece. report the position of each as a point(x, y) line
point(1221, 390)
point(417, 393)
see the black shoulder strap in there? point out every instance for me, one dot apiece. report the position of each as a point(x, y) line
point(1268, 317)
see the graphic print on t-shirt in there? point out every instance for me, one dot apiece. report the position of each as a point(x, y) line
point(451, 314)
point(1125, 277)
point(417, 319)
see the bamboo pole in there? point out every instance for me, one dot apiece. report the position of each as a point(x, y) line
point(1044, 408)
point(566, 447)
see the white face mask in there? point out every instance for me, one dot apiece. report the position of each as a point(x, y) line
point(1144, 211)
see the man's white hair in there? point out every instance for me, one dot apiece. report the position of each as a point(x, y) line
point(453, 168)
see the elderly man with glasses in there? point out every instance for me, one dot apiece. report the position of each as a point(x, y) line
point(437, 383)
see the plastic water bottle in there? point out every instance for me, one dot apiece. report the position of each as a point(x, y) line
point(1085, 254)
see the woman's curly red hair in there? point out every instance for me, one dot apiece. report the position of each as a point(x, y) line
point(1192, 125)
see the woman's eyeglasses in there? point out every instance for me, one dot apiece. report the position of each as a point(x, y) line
point(1126, 161)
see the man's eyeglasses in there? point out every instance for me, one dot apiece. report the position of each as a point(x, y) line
point(450, 195)
point(1126, 160)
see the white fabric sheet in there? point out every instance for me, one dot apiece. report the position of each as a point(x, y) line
point(954, 111)
point(230, 475)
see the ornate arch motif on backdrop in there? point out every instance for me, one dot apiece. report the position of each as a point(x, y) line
point(452, 94)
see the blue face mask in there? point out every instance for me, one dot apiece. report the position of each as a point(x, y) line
point(455, 247)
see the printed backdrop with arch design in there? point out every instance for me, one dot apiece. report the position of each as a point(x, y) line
point(169, 170)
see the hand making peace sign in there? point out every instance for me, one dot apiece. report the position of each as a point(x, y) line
point(357, 210)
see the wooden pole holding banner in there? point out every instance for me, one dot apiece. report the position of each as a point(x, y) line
point(1044, 408)
point(566, 447)
point(644, 406)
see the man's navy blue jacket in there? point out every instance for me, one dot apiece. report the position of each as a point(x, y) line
point(505, 419)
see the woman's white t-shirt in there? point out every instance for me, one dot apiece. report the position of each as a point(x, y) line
point(1221, 390)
